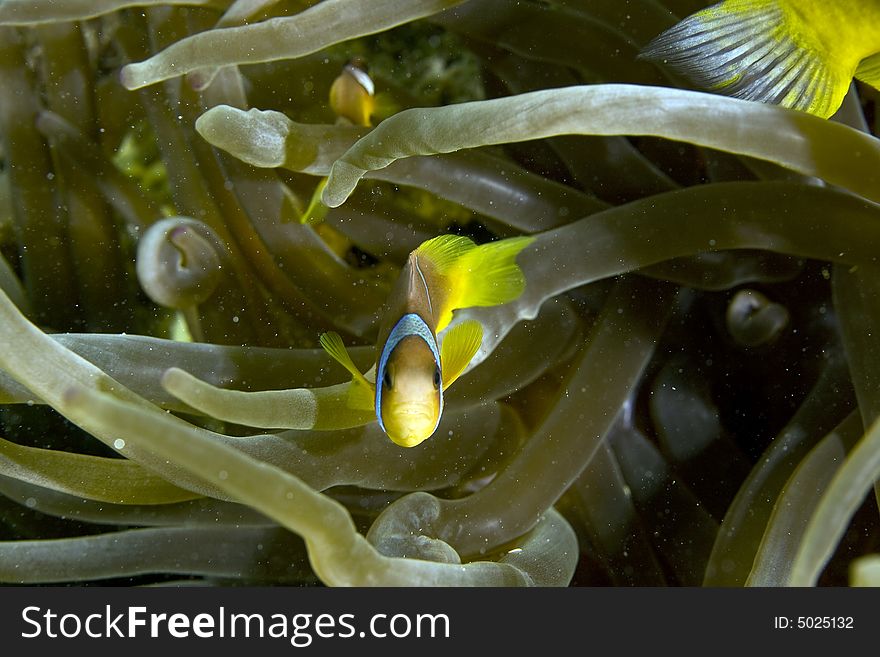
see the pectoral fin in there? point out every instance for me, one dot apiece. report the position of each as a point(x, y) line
point(332, 344)
point(758, 51)
point(460, 345)
point(361, 395)
point(361, 392)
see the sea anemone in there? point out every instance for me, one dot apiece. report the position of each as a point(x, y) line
point(684, 394)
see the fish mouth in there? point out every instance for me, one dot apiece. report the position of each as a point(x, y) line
point(413, 412)
point(411, 425)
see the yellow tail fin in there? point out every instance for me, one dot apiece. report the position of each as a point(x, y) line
point(756, 50)
point(484, 275)
point(489, 273)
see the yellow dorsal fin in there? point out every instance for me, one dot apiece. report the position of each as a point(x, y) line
point(484, 275)
point(760, 51)
point(869, 70)
point(445, 250)
point(332, 344)
point(460, 345)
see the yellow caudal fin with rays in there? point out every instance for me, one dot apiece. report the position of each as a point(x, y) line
point(361, 392)
point(764, 51)
point(460, 345)
point(484, 275)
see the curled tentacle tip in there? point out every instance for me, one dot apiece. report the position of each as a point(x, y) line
point(415, 546)
point(178, 262)
point(753, 320)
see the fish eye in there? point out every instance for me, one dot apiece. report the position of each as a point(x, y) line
point(387, 379)
point(436, 377)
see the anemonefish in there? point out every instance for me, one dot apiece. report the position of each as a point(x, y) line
point(801, 54)
point(353, 94)
point(353, 100)
point(412, 371)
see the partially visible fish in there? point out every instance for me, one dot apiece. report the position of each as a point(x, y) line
point(801, 54)
point(412, 371)
point(353, 100)
point(353, 94)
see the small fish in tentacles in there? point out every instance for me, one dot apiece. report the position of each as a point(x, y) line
point(801, 54)
point(443, 274)
point(353, 94)
point(353, 99)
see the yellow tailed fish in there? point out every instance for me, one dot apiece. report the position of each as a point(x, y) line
point(352, 99)
point(801, 54)
point(443, 274)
